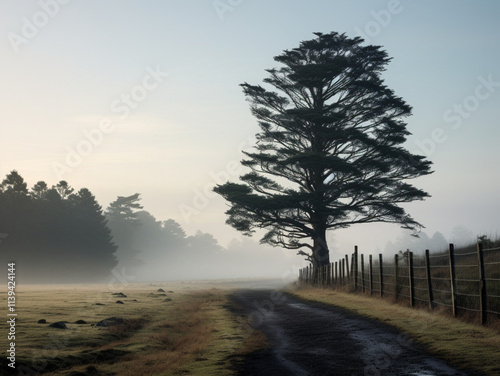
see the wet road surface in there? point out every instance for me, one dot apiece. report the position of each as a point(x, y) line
point(315, 339)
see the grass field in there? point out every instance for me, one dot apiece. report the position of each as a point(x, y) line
point(194, 328)
point(188, 329)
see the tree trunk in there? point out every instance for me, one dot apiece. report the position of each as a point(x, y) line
point(321, 254)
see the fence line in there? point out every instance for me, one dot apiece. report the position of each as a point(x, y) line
point(459, 280)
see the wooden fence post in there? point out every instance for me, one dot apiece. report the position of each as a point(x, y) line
point(381, 274)
point(333, 273)
point(429, 281)
point(411, 279)
point(330, 269)
point(352, 266)
point(362, 274)
point(355, 261)
point(452, 279)
point(396, 286)
point(370, 273)
point(347, 267)
point(337, 273)
point(482, 285)
point(343, 271)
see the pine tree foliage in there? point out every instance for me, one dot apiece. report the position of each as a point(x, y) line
point(124, 209)
point(124, 224)
point(329, 153)
point(54, 235)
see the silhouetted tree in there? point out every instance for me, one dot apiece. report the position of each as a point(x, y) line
point(437, 242)
point(15, 207)
point(90, 235)
point(39, 190)
point(329, 152)
point(419, 244)
point(64, 189)
point(484, 240)
point(403, 257)
point(203, 243)
point(56, 236)
point(124, 224)
point(173, 229)
point(125, 208)
point(14, 184)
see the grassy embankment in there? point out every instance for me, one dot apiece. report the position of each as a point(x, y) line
point(463, 345)
point(193, 333)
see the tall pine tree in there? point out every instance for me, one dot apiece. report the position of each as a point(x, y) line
point(329, 152)
point(124, 225)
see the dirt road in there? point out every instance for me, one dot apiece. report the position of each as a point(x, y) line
point(315, 339)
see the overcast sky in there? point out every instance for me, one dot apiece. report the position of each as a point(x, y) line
point(143, 96)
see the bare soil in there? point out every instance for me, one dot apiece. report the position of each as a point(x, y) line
point(308, 338)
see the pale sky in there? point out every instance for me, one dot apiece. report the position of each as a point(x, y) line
point(143, 96)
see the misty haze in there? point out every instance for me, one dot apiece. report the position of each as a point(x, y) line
point(228, 187)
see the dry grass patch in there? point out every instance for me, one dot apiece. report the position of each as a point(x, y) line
point(194, 333)
point(127, 328)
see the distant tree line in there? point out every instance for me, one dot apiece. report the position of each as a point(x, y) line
point(54, 233)
point(161, 247)
point(151, 249)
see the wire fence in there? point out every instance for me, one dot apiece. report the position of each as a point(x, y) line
point(461, 281)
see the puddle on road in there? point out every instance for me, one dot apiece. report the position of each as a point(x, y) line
point(426, 373)
point(298, 306)
point(383, 351)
